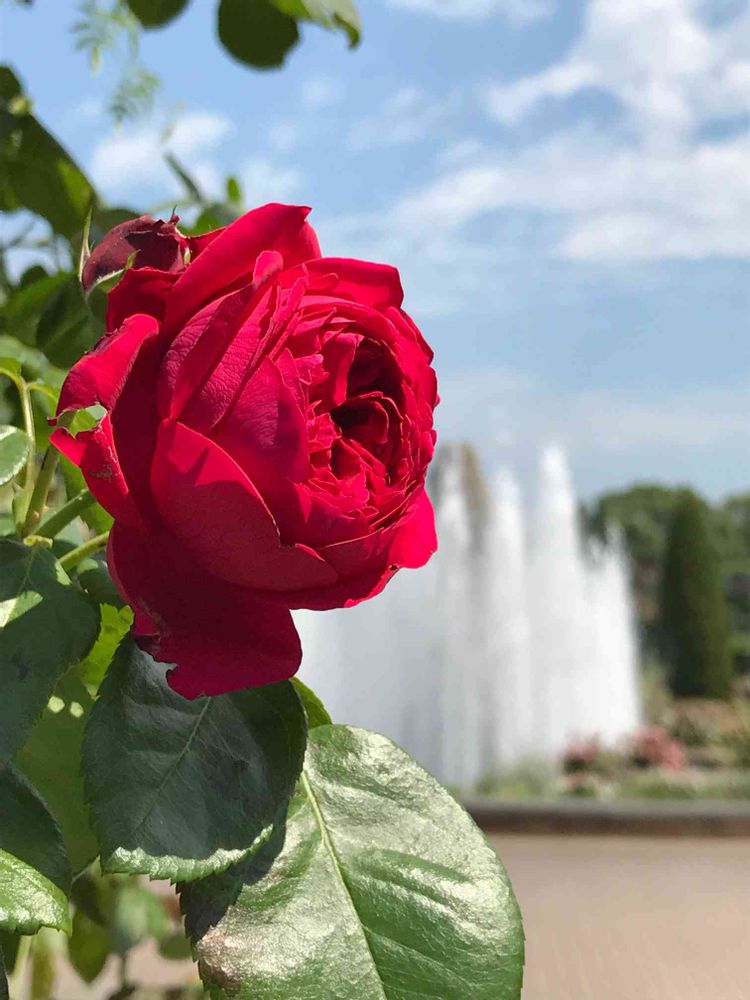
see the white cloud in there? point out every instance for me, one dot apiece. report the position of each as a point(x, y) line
point(516, 11)
point(654, 184)
point(665, 66)
point(407, 116)
point(128, 159)
point(264, 181)
point(322, 92)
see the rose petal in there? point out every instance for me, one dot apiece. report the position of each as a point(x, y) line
point(94, 453)
point(100, 375)
point(207, 500)
point(220, 637)
point(142, 290)
point(377, 285)
point(234, 251)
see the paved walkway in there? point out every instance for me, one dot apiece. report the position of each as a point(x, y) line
point(613, 918)
point(607, 918)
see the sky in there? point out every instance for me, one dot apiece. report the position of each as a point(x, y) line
point(564, 184)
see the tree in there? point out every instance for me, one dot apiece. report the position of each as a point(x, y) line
point(695, 624)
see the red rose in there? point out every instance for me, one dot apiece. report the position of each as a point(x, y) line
point(267, 435)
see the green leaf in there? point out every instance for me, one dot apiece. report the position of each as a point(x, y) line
point(88, 947)
point(47, 625)
point(34, 873)
point(37, 173)
point(234, 192)
point(331, 14)
point(65, 330)
point(51, 759)
point(115, 626)
point(180, 789)
point(20, 314)
point(380, 887)
point(156, 13)
point(256, 32)
point(175, 947)
point(138, 915)
point(14, 450)
point(315, 710)
point(94, 576)
point(192, 190)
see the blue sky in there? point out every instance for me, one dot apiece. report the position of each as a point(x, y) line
point(564, 185)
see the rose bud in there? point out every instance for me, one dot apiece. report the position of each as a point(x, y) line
point(145, 241)
point(268, 429)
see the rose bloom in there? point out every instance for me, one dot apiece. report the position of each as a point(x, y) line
point(267, 433)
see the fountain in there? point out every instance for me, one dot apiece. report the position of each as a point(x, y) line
point(514, 640)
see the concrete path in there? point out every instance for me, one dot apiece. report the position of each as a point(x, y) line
point(613, 918)
point(607, 918)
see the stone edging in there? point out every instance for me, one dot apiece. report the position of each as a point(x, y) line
point(636, 818)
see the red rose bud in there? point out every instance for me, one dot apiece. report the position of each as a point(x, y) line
point(149, 242)
point(268, 430)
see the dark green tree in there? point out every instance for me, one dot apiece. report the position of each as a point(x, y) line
point(695, 625)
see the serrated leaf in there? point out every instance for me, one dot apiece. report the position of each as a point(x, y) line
point(46, 625)
point(180, 789)
point(88, 947)
point(380, 887)
point(14, 450)
point(315, 710)
point(34, 873)
point(256, 32)
point(51, 760)
point(115, 626)
point(156, 13)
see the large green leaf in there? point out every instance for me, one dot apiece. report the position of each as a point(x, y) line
point(46, 625)
point(315, 710)
point(51, 759)
point(380, 888)
point(180, 789)
point(37, 173)
point(14, 450)
point(256, 32)
point(329, 14)
point(34, 873)
point(156, 13)
point(261, 32)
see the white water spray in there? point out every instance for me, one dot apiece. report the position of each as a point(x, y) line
point(511, 643)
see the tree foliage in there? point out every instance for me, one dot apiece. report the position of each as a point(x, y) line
point(694, 617)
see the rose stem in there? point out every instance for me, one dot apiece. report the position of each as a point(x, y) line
point(72, 558)
point(65, 514)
